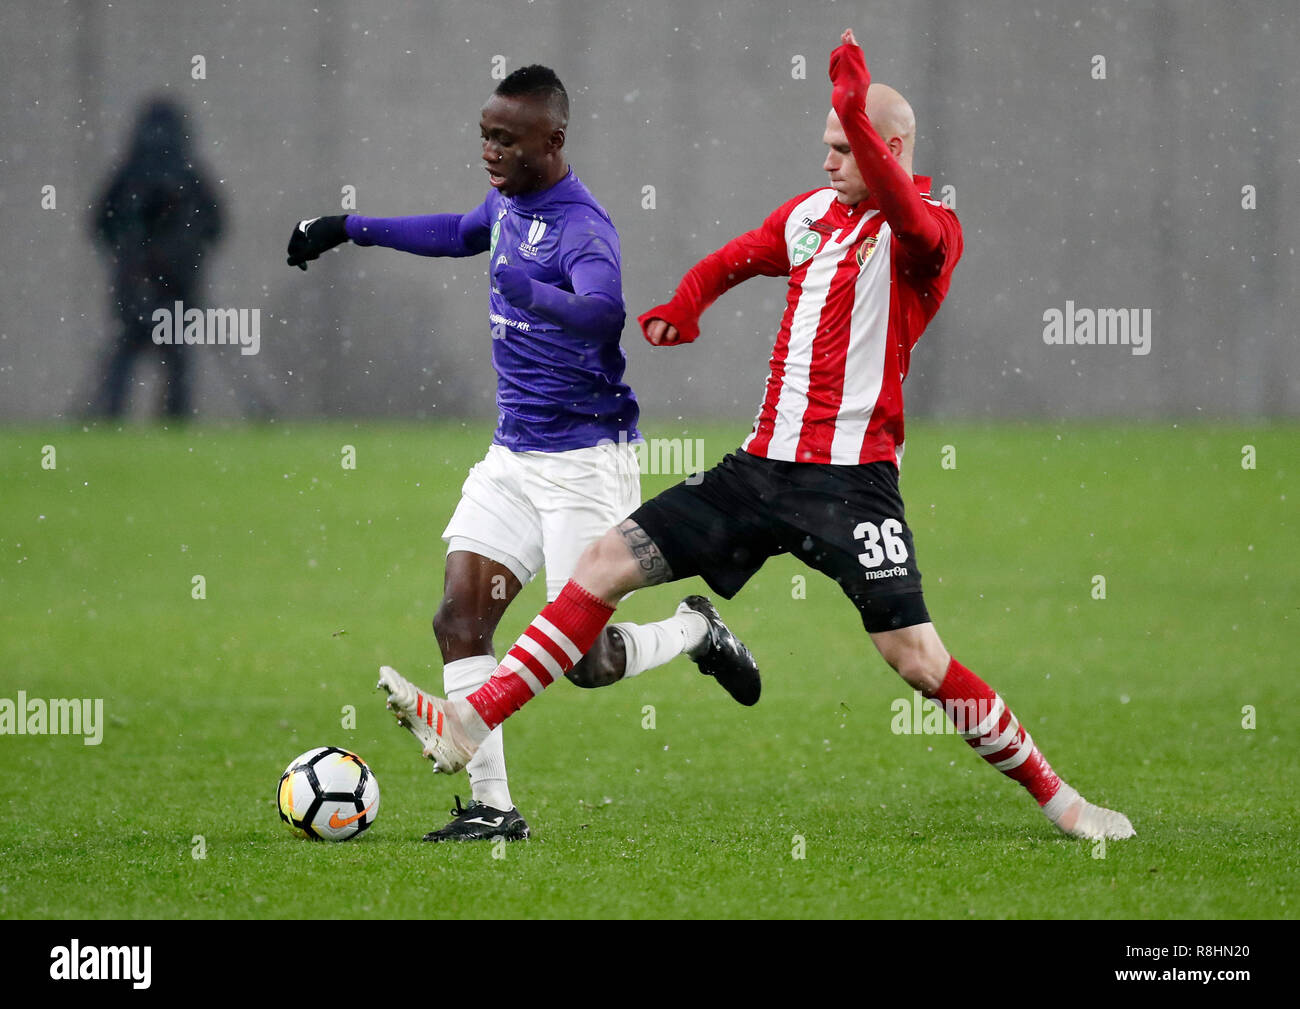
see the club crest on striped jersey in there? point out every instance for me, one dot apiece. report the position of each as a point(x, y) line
point(536, 230)
point(865, 250)
point(804, 248)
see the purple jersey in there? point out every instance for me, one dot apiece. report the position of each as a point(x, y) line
point(558, 361)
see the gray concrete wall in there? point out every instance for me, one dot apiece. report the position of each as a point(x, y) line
point(1117, 193)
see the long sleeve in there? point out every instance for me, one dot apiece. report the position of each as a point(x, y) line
point(424, 234)
point(588, 300)
point(594, 309)
point(760, 252)
point(909, 218)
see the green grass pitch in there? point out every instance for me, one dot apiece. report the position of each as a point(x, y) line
point(315, 575)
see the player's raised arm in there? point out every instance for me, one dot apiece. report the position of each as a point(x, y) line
point(888, 181)
point(423, 234)
point(760, 252)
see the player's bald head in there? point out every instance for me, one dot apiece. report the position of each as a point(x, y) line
point(891, 115)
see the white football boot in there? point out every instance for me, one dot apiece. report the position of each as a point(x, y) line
point(1078, 817)
point(449, 731)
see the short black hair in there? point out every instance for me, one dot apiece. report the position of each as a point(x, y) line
point(541, 83)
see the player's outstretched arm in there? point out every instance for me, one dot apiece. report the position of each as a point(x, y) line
point(760, 252)
point(889, 183)
point(422, 234)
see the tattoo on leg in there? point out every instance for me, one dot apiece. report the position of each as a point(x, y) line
point(651, 561)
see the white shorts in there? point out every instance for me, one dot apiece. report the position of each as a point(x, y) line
point(529, 510)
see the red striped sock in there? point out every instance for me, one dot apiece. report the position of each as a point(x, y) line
point(557, 638)
point(992, 731)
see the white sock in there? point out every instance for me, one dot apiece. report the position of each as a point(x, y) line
point(487, 768)
point(650, 645)
point(1061, 803)
point(1078, 817)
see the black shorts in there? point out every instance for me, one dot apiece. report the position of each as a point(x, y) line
point(845, 521)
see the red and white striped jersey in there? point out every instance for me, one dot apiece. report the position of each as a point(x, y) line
point(857, 302)
point(856, 305)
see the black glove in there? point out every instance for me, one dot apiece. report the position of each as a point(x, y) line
point(311, 238)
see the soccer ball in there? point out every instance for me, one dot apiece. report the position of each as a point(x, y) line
point(328, 794)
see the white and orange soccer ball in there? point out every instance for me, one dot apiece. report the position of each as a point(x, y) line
point(328, 794)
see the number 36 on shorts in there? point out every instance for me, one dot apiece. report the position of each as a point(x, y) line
point(881, 541)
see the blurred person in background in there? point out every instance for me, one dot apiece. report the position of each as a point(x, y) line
point(155, 222)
